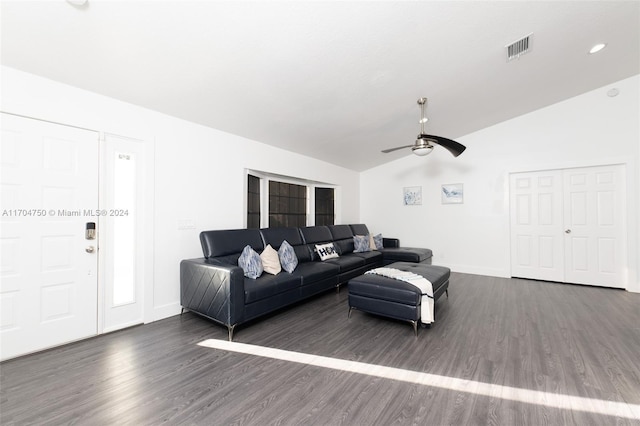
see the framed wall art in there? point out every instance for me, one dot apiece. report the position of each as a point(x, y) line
point(452, 193)
point(412, 196)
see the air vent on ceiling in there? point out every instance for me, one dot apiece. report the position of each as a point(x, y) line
point(519, 47)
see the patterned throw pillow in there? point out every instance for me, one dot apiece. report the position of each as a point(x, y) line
point(361, 243)
point(288, 258)
point(372, 243)
point(270, 261)
point(377, 239)
point(326, 251)
point(250, 263)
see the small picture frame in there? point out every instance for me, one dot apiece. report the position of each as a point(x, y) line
point(452, 193)
point(412, 196)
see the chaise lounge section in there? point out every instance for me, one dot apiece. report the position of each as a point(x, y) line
point(215, 287)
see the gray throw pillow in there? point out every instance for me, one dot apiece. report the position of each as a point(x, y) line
point(288, 258)
point(361, 243)
point(377, 239)
point(250, 263)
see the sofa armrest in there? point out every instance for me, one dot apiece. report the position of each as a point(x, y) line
point(390, 242)
point(213, 289)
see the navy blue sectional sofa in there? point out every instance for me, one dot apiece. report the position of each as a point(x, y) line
point(215, 287)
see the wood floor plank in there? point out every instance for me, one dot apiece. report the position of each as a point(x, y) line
point(562, 340)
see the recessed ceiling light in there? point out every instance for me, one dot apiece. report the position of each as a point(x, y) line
point(77, 2)
point(598, 47)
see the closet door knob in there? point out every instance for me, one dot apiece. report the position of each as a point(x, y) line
point(568, 231)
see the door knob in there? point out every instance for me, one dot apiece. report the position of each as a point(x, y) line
point(568, 231)
point(90, 249)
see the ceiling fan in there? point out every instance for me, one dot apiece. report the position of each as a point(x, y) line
point(424, 143)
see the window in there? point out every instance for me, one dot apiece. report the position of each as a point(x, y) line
point(287, 204)
point(283, 201)
point(124, 232)
point(253, 202)
point(325, 214)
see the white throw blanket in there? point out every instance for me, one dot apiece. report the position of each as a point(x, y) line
point(423, 284)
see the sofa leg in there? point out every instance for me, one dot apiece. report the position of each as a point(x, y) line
point(230, 328)
point(415, 327)
point(349, 314)
point(447, 293)
point(181, 311)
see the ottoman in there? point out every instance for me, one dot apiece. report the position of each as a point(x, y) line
point(393, 298)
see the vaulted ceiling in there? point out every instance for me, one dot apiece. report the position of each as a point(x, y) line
point(333, 80)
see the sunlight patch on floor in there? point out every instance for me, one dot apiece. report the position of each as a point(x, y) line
point(549, 399)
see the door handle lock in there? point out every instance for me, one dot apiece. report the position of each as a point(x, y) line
point(90, 231)
point(568, 231)
point(90, 249)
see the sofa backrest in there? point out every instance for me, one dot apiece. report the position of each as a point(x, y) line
point(342, 238)
point(359, 229)
point(275, 237)
point(228, 244)
point(312, 235)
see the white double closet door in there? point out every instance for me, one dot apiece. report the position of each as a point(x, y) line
point(49, 278)
point(570, 225)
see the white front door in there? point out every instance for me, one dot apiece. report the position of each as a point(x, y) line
point(594, 220)
point(49, 182)
point(569, 225)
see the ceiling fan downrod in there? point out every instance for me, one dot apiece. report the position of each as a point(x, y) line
point(422, 102)
point(423, 145)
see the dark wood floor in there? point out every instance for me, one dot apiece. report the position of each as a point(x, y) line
point(579, 347)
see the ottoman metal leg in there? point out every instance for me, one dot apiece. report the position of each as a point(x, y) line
point(415, 327)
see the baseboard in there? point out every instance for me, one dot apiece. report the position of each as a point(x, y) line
point(166, 311)
point(633, 288)
point(478, 270)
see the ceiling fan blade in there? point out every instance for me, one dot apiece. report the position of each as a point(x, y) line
point(386, 151)
point(452, 146)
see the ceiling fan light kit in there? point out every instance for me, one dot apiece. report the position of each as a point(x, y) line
point(422, 148)
point(423, 145)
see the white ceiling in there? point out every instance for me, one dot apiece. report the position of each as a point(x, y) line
point(337, 81)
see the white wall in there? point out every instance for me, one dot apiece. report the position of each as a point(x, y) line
point(587, 130)
point(199, 171)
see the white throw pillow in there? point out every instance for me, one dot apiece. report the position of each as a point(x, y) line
point(326, 251)
point(270, 260)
